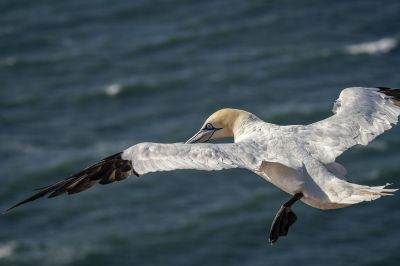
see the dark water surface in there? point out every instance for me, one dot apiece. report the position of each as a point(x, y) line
point(84, 79)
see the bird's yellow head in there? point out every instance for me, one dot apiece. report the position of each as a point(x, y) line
point(221, 124)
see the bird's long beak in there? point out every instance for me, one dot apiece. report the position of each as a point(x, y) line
point(201, 136)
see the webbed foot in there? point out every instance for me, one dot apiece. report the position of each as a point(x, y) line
point(284, 218)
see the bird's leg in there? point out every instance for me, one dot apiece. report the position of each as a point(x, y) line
point(284, 218)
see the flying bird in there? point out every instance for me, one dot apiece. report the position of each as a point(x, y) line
point(299, 159)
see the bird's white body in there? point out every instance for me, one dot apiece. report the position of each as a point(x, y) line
point(297, 159)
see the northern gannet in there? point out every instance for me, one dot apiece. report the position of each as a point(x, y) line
point(299, 159)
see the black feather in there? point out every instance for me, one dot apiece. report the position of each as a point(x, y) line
point(394, 93)
point(110, 169)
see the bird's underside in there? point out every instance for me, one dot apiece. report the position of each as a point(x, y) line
point(298, 159)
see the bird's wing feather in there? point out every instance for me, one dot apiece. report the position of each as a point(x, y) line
point(143, 158)
point(152, 157)
point(361, 114)
point(108, 170)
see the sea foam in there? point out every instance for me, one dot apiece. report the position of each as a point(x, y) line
point(7, 249)
point(113, 89)
point(381, 46)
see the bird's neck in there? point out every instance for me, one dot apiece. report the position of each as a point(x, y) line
point(242, 124)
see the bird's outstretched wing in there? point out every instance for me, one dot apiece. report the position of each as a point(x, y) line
point(361, 114)
point(150, 157)
point(153, 157)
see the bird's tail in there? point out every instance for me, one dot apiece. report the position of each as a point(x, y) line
point(362, 193)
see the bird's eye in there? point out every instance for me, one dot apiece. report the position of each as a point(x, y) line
point(209, 126)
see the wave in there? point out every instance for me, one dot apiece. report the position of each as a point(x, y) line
point(8, 61)
point(113, 89)
point(7, 249)
point(381, 46)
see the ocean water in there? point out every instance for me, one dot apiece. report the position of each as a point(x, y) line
point(84, 79)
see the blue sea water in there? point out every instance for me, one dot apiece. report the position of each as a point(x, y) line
point(81, 80)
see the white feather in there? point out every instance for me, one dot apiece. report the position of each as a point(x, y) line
point(294, 158)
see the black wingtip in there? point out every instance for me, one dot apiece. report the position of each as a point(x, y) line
point(384, 88)
point(391, 92)
point(15, 206)
point(110, 169)
point(35, 196)
point(9, 209)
